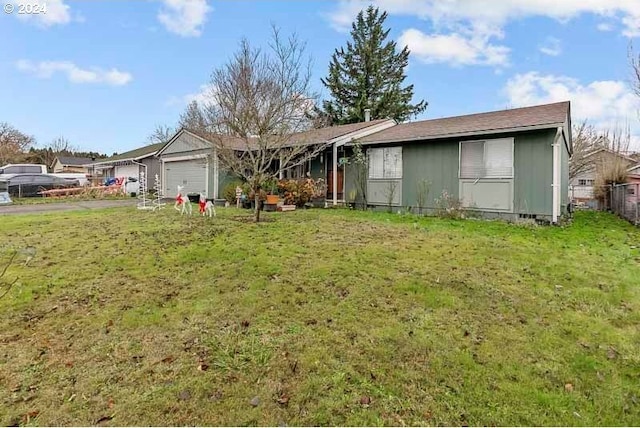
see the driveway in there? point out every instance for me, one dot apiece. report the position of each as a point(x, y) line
point(65, 206)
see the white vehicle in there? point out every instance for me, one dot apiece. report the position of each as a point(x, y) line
point(31, 168)
point(23, 168)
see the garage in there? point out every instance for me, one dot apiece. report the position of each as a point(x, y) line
point(191, 174)
point(132, 170)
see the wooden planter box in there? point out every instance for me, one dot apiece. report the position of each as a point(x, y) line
point(287, 208)
point(273, 199)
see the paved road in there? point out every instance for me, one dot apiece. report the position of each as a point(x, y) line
point(64, 206)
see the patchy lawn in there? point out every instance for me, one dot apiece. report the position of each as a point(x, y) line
point(62, 199)
point(319, 318)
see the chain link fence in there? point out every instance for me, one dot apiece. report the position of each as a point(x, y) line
point(625, 201)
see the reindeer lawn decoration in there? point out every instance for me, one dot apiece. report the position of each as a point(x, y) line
point(184, 201)
point(206, 207)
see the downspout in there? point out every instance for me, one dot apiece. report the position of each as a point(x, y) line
point(555, 184)
point(335, 174)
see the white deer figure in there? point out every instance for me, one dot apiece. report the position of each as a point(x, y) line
point(184, 201)
point(206, 207)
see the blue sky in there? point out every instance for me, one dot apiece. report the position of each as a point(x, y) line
point(105, 73)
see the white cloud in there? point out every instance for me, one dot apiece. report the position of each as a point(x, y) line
point(551, 47)
point(456, 48)
point(604, 103)
point(447, 12)
point(55, 12)
point(184, 17)
point(75, 74)
point(605, 26)
point(203, 97)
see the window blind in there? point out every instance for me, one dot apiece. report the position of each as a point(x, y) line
point(385, 163)
point(487, 159)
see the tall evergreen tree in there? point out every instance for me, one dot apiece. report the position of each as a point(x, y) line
point(369, 73)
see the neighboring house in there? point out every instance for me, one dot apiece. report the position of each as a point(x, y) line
point(130, 164)
point(70, 164)
point(634, 174)
point(581, 187)
point(510, 164)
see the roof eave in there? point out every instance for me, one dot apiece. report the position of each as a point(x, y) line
point(468, 134)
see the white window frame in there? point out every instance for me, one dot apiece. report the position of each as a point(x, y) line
point(383, 177)
point(484, 148)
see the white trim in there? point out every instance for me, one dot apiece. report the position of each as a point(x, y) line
point(555, 183)
point(206, 178)
point(183, 158)
point(216, 174)
point(335, 174)
point(363, 132)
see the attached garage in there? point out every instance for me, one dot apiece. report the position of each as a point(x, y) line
point(187, 160)
point(191, 174)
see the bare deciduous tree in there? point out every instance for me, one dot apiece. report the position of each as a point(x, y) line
point(634, 61)
point(586, 139)
point(611, 167)
point(13, 143)
point(193, 118)
point(161, 134)
point(258, 109)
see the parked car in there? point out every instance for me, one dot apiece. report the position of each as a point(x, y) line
point(23, 168)
point(26, 185)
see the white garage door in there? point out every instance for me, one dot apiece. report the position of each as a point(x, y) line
point(191, 174)
point(127, 171)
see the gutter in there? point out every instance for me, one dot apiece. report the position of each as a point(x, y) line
point(555, 182)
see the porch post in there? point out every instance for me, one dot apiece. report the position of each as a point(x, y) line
point(281, 173)
point(335, 174)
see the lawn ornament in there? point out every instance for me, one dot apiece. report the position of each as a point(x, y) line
point(157, 194)
point(206, 207)
point(182, 200)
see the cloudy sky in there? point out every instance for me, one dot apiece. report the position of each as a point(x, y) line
point(105, 73)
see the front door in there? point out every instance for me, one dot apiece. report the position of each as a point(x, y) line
point(340, 182)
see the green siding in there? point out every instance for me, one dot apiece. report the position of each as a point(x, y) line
point(224, 178)
point(533, 165)
point(564, 178)
point(317, 168)
point(436, 162)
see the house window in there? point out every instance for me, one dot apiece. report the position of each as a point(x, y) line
point(385, 163)
point(486, 159)
point(585, 182)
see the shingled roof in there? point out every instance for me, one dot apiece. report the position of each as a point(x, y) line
point(73, 161)
point(312, 136)
point(139, 153)
point(541, 116)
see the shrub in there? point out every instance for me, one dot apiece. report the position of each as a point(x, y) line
point(229, 191)
point(448, 206)
point(299, 192)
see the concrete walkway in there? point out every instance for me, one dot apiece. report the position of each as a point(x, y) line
point(65, 206)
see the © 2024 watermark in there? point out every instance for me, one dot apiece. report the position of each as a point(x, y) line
point(25, 8)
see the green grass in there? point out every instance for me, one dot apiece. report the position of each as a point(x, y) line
point(436, 322)
point(77, 198)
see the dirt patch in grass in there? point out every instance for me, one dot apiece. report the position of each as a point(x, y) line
point(318, 317)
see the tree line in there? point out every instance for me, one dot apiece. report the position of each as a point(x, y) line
point(19, 147)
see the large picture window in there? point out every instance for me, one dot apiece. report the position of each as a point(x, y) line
point(385, 163)
point(486, 159)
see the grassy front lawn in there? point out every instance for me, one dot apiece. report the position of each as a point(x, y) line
point(319, 318)
point(76, 198)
